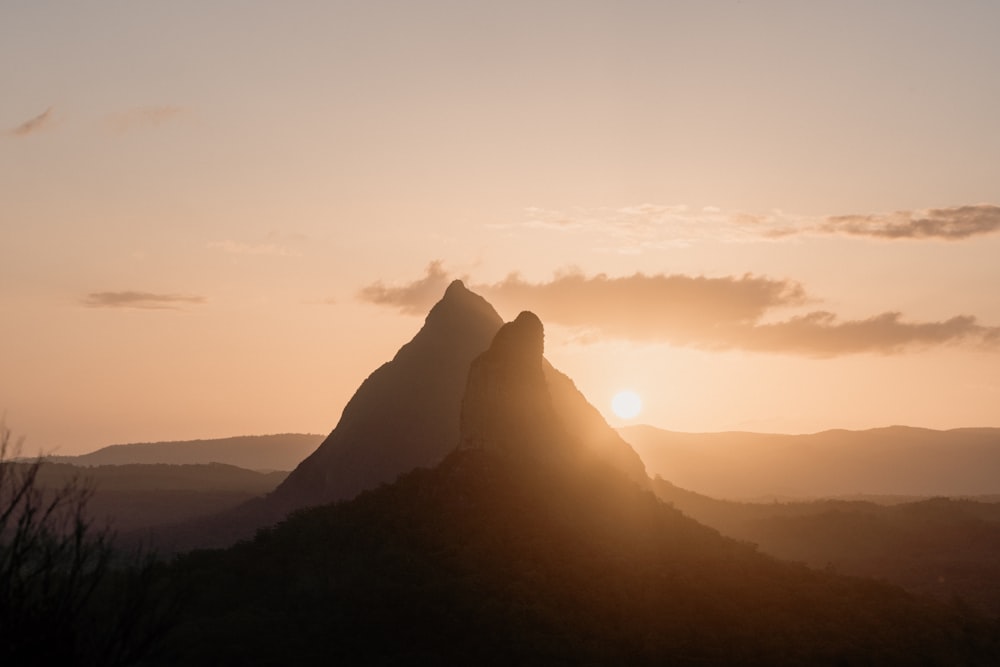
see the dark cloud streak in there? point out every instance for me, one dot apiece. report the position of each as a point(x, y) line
point(820, 334)
point(141, 300)
point(33, 125)
point(950, 224)
point(648, 226)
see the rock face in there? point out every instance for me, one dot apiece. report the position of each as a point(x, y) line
point(410, 412)
point(405, 415)
point(507, 406)
point(516, 402)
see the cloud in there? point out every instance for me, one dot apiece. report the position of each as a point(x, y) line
point(949, 224)
point(648, 307)
point(728, 313)
point(140, 117)
point(39, 123)
point(820, 334)
point(635, 229)
point(141, 300)
point(416, 297)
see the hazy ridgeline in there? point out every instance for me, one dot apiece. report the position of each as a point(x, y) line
point(256, 452)
point(894, 461)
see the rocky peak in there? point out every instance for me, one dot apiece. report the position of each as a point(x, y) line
point(406, 414)
point(507, 406)
point(458, 302)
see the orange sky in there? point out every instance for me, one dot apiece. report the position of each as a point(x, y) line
point(770, 216)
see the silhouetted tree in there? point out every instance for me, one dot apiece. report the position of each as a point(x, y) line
point(65, 594)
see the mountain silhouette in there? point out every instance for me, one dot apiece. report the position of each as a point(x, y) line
point(507, 406)
point(407, 413)
point(523, 547)
point(516, 401)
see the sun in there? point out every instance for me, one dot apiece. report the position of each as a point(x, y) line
point(626, 404)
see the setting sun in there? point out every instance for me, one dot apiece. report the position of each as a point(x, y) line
point(626, 404)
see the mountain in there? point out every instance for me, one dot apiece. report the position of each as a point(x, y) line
point(898, 460)
point(524, 547)
point(252, 452)
point(515, 399)
point(405, 415)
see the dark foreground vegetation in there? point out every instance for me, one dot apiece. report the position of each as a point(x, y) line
point(486, 559)
point(134, 497)
point(67, 597)
point(491, 560)
point(948, 548)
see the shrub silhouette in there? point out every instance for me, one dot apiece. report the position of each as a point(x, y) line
point(66, 595)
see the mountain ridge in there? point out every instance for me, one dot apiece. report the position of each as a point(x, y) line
point(279, 451)
point(895, 460)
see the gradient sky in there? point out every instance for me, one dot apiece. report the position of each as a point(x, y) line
point(216, 218)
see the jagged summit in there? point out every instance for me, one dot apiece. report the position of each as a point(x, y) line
point(521, 341)
point(507, 405)
point(405, 414)
point(459, 302)
point(456, 288)
point(517, 403)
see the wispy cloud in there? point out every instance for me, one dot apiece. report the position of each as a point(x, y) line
point(140, 117)
point(821, 334)
point(141, 300)
point(274, 243)
point(727, 313)
point(633, 229)
point(34, 125)
point(949, 224)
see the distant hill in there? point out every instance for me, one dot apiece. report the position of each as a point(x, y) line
point(133, 497)
point(895, 461)
point(252, 452)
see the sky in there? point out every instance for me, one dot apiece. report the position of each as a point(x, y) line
point(217, 218)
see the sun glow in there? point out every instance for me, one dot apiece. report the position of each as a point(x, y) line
point(626, 404)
